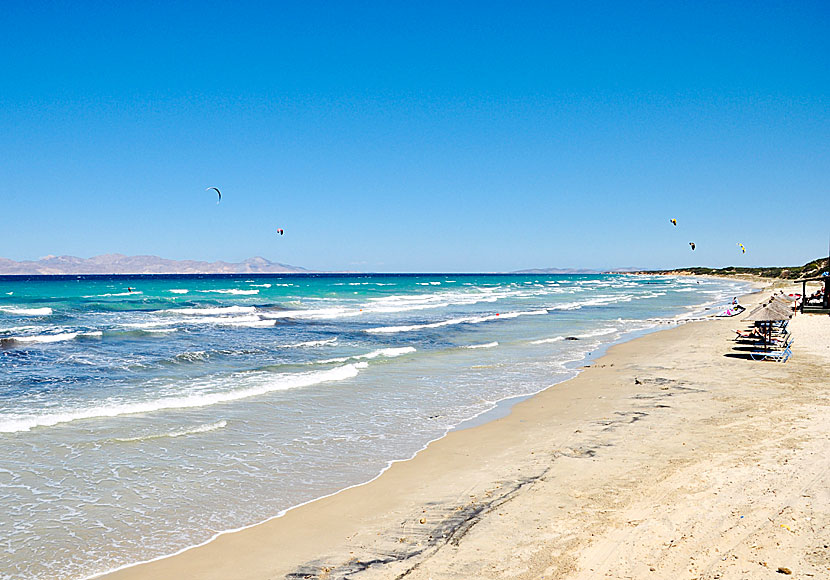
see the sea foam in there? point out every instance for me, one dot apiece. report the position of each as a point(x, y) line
point(14, 422)
point(454, 321)
point(45, 311)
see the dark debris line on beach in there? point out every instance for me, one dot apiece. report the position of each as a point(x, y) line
point(455, 522)
point(449, 531)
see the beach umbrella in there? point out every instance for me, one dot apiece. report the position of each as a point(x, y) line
point(772, 311)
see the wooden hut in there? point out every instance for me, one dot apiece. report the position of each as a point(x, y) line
point(813, 306)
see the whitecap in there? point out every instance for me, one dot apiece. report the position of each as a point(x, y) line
point(45, 311)
point(309, 343)
point(384, 352)
point(485, 345)
point(548, 340)
point(231, 291)
point(262, 383)
point(49, 338)
point(454, 321)
point(599, 332)
point(213, 311)
point(206, 428)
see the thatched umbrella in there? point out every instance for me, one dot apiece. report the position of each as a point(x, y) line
point(769, 312)
point(785, 300)
point(772, 311)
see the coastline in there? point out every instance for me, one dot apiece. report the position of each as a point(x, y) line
point(224, 498)
point(500, 409)
point(377, 527)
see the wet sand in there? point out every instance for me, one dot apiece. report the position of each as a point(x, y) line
point(672, 456)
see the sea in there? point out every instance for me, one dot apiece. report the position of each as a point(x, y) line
point(141, 415)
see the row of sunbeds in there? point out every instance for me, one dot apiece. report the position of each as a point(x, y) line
point(773, 344)
point(770, 339)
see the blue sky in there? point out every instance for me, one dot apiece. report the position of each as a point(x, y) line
point(417, 136)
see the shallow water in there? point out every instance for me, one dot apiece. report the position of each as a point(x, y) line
point(136, 423)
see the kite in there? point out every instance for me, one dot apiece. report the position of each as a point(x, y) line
point(743, 249)
point(693, 245)
point(280, 231)
point(216, 189)
point(673, 222)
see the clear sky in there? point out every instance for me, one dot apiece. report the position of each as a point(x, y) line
point(417, 136)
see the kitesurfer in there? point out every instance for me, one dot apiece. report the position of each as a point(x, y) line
point(216, 189)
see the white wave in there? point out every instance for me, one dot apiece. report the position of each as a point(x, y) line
point(599, 332)
point(45, 311)
point(160, 330)
point(179, 290)
point(263, 383)
point(385, 352)
point(48, 338)
point(193, 356)
point(204, 316)
point(231, 291)
point(548, 340)
point(18, 329)
point(212, 311)
point(597, 301)
point(486, 345)
point(261, 285)
point(405, 308)
point(391, 304)
point(337, 312)
point(259, 323)
point(149, 324)
point(9, 293)
point(115, 294)
point(309, 343)
point(206, 428)
point(453, 321)
point(252, 321)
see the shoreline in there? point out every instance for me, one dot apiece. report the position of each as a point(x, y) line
point(137, 570)
point(501, 409)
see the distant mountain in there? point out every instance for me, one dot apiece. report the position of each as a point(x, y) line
point(121, 264)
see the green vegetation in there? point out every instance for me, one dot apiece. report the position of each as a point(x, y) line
point(808, 270)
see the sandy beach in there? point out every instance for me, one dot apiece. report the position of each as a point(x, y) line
point(671, 456)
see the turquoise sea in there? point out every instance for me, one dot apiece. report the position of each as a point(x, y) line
point(142, 415)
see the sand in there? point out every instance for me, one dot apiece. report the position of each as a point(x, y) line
point(672, 456)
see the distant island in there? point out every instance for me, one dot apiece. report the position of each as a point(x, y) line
point(121, 264)
point(558, 271)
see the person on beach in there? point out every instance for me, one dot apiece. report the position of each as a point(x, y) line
point(756, 333)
